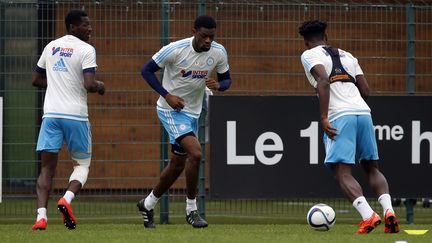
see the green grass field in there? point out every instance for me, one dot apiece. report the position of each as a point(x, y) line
point(235, 221)
point(105, 232)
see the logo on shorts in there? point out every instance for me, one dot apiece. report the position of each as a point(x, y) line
point(182, 127)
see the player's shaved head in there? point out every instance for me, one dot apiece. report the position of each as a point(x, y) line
point(204, 21)
point(74, 17)
point(313, 29)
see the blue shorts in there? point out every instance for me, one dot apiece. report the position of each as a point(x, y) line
point(177, 123)
point(355, 140)
point(77, 134)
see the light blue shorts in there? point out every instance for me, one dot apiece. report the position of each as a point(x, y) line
point(76, 134)
point(355, 140)
point(177, 123)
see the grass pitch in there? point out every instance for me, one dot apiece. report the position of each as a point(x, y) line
point(235, 221)
point(105, 232)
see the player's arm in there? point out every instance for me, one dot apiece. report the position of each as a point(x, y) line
point(223, 82)
point(362, 85)
point(39, 77)
point(90, 83)
point(323, 90)
point(148, 73)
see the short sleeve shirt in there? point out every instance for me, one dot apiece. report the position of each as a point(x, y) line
point(186, 71)
point(64, 60)
point(345, 97)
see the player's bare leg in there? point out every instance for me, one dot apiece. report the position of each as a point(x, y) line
point(380, 187)
point(169, 175)
point(353, 191)
point(377, 181)
point(348, 184)
point(193, 149)
point(43, 187)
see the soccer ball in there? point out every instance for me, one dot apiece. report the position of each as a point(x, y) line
point(321, 217)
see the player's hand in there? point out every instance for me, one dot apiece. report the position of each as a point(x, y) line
point(101, 87)
point(328, 129)
point(177, 103)
point(212, 84)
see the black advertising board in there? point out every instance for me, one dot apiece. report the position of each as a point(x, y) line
point(271, 147)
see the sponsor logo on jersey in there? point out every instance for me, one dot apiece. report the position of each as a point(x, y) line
point(64, 52)
point(339, 77)
point(60, 66)
point(185, 73)
point(55, 50)
point(194, 73)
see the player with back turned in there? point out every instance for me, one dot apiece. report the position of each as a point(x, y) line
point(349, 135)
point(67, 69)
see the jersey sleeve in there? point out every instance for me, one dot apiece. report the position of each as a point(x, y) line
point(89, 58)
point(310, 60)
point(222, 66)
point(358, 70)
point(42, 60)
point(165, 55)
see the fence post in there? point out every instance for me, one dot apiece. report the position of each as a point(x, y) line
point(201, 175)
point(410, 18)
point(2, 50)
point(202, 139)
point(410, 48)
point(164, 201)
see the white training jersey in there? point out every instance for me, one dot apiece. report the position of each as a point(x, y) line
point(345, 98)
point(186, 70)
point(64, 60)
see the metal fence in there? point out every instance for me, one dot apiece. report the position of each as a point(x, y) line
point(391, 39)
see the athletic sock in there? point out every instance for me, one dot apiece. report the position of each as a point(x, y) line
point(385, 201)
point(41, 214)
point(363, 207)
point(150, 201)
point(190, 205)
point(69, 196)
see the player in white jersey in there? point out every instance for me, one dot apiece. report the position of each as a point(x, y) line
point(188, 67)
point(345, 117)
point(66, 69)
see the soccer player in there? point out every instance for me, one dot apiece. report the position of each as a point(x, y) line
point(66, 69)
point(188, 66)
point(346, 120)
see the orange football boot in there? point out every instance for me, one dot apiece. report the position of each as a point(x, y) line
point(41, 224)
point(391, 224)
point(68, 218)
point(366, 226)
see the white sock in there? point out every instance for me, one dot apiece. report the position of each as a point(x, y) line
point(42, 214)
point(190, 205)
point(363, 207)
point(150, 201)
point(385, 201)
point(69, 196)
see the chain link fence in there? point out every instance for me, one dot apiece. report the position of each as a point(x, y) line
point(391, 39)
